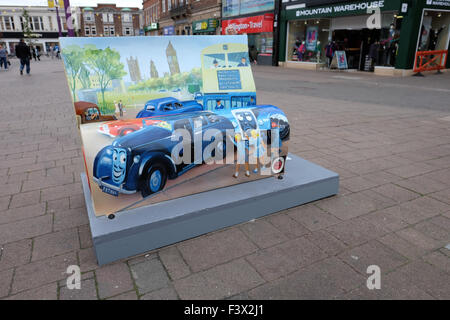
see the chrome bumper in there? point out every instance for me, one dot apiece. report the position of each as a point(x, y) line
point(113, 187)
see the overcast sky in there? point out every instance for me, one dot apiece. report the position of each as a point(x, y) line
point(120, 3)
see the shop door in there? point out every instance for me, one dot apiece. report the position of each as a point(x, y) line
point(368, 37)
point(350, 42)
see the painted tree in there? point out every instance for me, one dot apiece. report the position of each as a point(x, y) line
point(84, 77)
point(73, 59)
point(106, 65)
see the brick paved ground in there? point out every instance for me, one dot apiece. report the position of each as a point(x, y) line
point(380, 134)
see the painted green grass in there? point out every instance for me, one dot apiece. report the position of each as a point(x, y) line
point(129, 99)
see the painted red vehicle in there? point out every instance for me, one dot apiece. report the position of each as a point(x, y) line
point(121, 128)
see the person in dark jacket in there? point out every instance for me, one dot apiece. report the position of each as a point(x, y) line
point(24, 54)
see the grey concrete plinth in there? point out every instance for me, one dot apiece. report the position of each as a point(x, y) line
point(142, 229)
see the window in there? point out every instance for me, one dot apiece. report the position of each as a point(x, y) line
point(9, 23)
point(111, 31)
point(128, 31)
point(87, 31)
point(108, 17)
point(212, 104)
point(30, 24)
point(169, 4)
point(50, 23)
point(239, 102)
point(126, 17)
point(94, 30)
point(163, 5)
point(38, 24)
point(89, 16)
point(106, 31)
point(64, 23)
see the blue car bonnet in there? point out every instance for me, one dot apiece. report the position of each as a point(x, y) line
point(143, 136)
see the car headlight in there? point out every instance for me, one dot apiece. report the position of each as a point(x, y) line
point(136, 159)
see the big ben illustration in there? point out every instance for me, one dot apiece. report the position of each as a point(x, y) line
point(172, 59)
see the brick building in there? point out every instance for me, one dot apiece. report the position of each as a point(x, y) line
point(151, 13)
point(182, 17)
point(108, 20)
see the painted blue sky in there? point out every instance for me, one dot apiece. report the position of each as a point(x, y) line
point(188, 49)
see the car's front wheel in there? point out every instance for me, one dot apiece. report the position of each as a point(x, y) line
point(154, 180)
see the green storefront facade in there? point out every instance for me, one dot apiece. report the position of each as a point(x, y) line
point(422, 24)
point(206, 26)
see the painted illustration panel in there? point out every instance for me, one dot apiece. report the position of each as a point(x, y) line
point(166, 117)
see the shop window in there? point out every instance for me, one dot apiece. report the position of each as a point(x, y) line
point(262, 42)
point(434, 31)
point(306, 40)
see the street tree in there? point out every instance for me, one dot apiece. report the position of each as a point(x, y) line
point(26, 26)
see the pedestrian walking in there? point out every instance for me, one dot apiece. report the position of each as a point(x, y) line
point(52, 52)
point(120, 105)
point(38, 53)
point(57, 52)
point(24, 54)
point(33, 53)
point(3, 57)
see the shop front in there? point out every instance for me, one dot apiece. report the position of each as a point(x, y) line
point(434, 29)
point(152, 29)
point(205, 27)
point(259, 30)
point(374, 35)
point(169, 31)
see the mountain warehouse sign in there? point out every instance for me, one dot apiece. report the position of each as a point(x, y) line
point(340, 8)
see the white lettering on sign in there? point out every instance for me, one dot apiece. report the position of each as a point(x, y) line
point(251, 25)
point(443, 3)
point(341, 8)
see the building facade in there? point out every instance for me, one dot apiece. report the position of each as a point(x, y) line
point(108, 20)
point(42, 21)
point(182, 17)
point(377, 35)
point(254, 18)
point(152, 10)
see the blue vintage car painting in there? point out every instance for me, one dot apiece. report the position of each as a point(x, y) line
point(168, 106)
point(142, 162)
